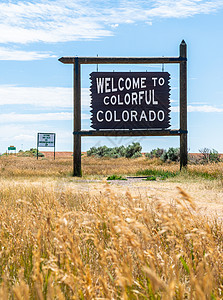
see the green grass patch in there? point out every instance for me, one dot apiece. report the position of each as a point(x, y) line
point(204, 175)
point(157, 173)
point(116, 177)
point(162, 175)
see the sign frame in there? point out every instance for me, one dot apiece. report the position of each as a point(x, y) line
point(38, 142)
point(78, 133)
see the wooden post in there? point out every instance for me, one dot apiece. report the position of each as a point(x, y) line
point(37, 154)
point(77, 120)
point(183, 105)
point(54, 146)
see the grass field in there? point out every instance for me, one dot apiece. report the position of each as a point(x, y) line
point(68, 238)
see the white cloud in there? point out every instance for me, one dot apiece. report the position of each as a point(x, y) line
point(114, 25)
point(199, 108)
point(25, 137)
point(33, 118)
point(205, 108)
point(41, 96)
point(72, 20)
point(30, 118)
point(11, 132)
point(13, 54)
point(49, 21)
point(183, 8)
point(175, 109)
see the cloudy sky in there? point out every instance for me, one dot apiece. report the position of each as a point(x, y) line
point(36, 89)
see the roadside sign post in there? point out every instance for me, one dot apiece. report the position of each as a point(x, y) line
point(10, 148)
point(145, 123)
point(46, 140)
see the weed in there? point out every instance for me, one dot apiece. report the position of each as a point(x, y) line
point(158, 173)
point(115, 177)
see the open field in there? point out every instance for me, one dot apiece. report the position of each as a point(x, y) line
point(86, 238)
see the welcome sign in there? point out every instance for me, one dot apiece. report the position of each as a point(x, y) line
point(130, 100)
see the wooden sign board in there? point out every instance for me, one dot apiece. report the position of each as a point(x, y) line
point(130, 100)
point(146, 107)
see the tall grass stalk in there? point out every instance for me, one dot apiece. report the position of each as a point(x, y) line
point(59, 244)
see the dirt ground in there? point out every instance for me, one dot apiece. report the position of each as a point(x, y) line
point(59, 154)
point(207, 199)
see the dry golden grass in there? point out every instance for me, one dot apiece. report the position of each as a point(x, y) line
point(59, 243)
point(29, 166)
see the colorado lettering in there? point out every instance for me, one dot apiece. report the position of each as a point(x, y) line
point(132, 115)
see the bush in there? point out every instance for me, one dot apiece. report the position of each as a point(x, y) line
point(30, 153)
point(172, 154)
point(214, 156)
point(209, 155)
point(131, 151)
point(137, 154)
point(155, 153)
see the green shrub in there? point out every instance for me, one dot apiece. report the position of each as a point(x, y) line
point(131, 151)
point(209, 155)
point(39, 154)
point(214, 156)
point(155, 153)
point(136, 155)
point(172, 154)
point(30, 153)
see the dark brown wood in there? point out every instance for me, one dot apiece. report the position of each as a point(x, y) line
point(130, 100)
point(122, 60)
point(182, 132)
point(129, 132)
point(183, 105)
point(77, 120)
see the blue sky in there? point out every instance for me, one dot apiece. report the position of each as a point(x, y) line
point(36, 89)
